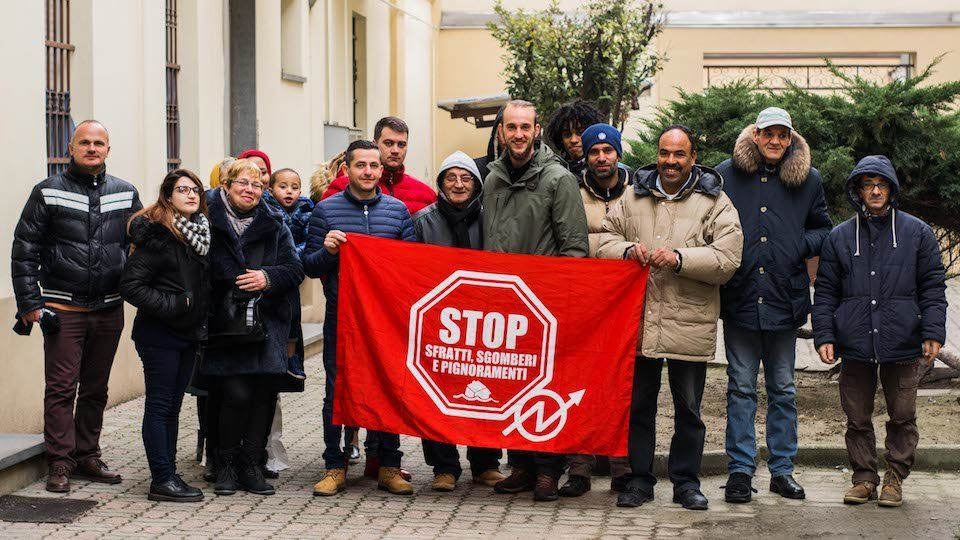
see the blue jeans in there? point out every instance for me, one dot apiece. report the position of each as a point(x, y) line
point(746, 349)
point(166, 373)
point(388, 449)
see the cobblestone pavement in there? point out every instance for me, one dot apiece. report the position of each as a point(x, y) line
point(471, 511)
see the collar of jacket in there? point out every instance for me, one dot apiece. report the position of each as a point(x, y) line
point(705, 180)
point(392, 178)
point(76, 174)
point(542, 157)
point(265, 220)
point(587, 181)
point(302, 203)
point(348, 195)
point(144, 232)
point(794, 167)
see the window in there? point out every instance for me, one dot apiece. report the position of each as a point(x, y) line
point(293, 15)
point(808, 71)
point(59, 49)
point(359, 71)
point(173, 69)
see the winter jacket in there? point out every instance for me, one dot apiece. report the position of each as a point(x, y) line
point(539, 214)
point(70, 244)
point(784, 218)
point(880, 285)
point(702, 225)
point(597, 204)
point(266, 245)
point(412, 192)
point(431, 228)
point(167, 281)
point(296, 219)
point(381, 216)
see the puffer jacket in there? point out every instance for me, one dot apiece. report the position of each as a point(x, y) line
point(880, 286)
point(702, 225)
point(71, 243)
point(398, 184)
point(167, 281)
point(381, 216)
point(296, 219)
point(597, 203)
point(539, 214)
point(784, 217)
point(266, 239)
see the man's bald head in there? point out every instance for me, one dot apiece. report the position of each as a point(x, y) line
point(90, 146)
point(90, 124)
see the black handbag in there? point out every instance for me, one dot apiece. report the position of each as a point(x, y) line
point(235, 317)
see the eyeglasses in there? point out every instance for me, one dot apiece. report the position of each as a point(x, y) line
point(184, 190)
point(244, 184)
point(452, 179)
point(869, 187)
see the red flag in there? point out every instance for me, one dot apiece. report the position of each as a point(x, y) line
point(487, 349)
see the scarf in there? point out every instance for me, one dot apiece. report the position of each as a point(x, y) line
point(238, 221)
point(459, 219)
point(196, 232)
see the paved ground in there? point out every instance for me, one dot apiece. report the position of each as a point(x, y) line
point(364, 512)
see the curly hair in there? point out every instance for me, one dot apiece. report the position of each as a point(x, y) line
point(577, 115)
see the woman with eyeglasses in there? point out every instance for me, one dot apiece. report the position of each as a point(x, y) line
point(167, 279)
point(255, 280)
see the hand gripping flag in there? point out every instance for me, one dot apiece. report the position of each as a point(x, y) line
point(487, 349)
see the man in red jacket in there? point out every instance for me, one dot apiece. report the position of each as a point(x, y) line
point(390, 136)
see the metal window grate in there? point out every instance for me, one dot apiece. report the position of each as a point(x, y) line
point(59, 50)
point(173, 69)
point(813, 77)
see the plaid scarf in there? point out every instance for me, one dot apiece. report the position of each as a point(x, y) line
point(196, 232)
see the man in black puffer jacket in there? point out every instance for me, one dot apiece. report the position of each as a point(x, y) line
point(879, 306)
point(69, 249)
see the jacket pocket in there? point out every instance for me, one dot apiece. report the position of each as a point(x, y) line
point(800, 295)
point(851, 327)
point(899, 328)
point(695, 292)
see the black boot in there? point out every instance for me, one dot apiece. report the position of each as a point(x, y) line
point(227, 483)
point(575, 486)
point(174, 490)
point(786, 486)
point(210, 470)
point(251, 478)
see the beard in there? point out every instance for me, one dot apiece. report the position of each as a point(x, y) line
point(601, 175)
point(522, 155)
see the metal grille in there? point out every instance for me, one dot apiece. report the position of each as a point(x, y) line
point(814, 77)
point(59, 50)
point(173, 69)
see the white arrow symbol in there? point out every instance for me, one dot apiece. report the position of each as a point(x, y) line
point(541, 423)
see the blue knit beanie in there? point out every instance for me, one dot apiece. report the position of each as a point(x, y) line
point(599, 133)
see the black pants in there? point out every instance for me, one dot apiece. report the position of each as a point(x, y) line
point(166, 373)
point(686, 448)
point(444, 458)
point(245, 414)
point(538, 462)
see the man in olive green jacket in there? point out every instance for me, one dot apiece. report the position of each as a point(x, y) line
point(531, 205)
point(679, 221)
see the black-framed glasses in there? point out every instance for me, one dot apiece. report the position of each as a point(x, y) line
point(184, 190)
point(868, 187)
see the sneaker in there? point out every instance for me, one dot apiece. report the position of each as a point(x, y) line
point(333, 482)
point(390, 480)
point(444, 482)
point(518, 481)
point(575, 486)
point(739, 488)
point(489, 477)
point(860, 493)
point(295, 367)
point(891, 494)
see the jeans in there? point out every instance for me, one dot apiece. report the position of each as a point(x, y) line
point(746, 349)
point(444, 458)
point(687, 380)
point(858, 388)
point(388, 448)
point(77, 363)
point(166, 373)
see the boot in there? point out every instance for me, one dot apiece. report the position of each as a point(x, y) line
point(575, 486)
point(546, 488)
point(250, 476)
point(444, 482)
point(519, 480)
point(390, 480)
point(860, 493)
point(227, 483)
point(334, 481)
point(58, 478)
point(489, 477)
point(891, 494)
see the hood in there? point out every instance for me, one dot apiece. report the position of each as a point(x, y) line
point(872, 166)
point(705, 180)
point(145, 232)
point(460, 160)
point(794, 167)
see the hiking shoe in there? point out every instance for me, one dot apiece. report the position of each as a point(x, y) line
point(390, 480)
point(489, 477)
point(546, 488)
point(444, 482)
point(860, 493)
point(334, 481)
point(891, 494)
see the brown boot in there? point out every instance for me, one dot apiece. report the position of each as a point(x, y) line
point(546, 488)
point(444, 482)
point(860, 493)
point(333, 482)
point(389, 479)
point(95, 470)
point(58, 478)
point(891, 494)
point(519, 480)
point(489, 477)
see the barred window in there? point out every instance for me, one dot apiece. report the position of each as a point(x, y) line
point(173, 69)
point(58, 49)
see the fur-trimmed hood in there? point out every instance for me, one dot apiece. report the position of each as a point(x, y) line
point(794, 168)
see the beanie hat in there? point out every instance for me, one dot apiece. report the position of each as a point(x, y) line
point(600, 133)
point(460, 160)
point(257, 153)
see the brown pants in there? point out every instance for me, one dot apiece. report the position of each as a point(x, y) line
point(82, 352)
point(584, 465)
point(858, 388)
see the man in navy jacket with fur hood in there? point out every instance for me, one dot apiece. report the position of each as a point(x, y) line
point(879, 306)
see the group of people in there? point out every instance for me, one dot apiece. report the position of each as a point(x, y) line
point(214, 274)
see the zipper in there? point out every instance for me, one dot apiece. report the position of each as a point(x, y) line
point(366, 218)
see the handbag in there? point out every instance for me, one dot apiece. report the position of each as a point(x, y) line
point(235, 317)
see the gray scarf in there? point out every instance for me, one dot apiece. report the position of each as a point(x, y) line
point(239, 222)
point(196, 232)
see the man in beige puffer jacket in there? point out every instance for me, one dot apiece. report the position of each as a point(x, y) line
point(678, 220)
